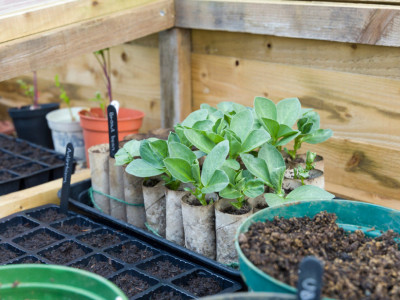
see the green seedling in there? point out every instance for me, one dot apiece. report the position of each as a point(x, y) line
point(31, 90)
point(63, 96)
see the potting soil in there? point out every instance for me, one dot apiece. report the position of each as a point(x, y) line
point(355, 266)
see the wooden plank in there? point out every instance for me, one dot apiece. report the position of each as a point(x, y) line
point(39, 16)
point(175, 61)
point(344, 22)
point(353, 58)
point(135, 79)
point(52, 47)
point(36, 196)
point(360, 107)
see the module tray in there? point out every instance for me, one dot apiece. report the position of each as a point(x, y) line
point(139, 264)
point(24, 164)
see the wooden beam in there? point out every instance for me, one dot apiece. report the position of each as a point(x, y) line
point(175, 75)
point(56, 45)
point(36, 196)
point(343, 22)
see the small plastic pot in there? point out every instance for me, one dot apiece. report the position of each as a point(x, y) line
point(32, 281)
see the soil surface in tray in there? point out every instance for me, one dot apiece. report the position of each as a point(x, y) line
point(52, 160)
point(64, 254)
point(130, 285)
point(74, 229)
point(130, 253)
point(12, 231)
point(101, 240)
point(37, 241)
point(166, 295)
point(103, 268)
point(35, 153)
point(4, 176)
point(6, 254)
point(27, 169)
point(13, 146)
point(29, 260)
point(11, 162)
point(50, 215)
point(200, 286)
point(163, 269)
point(355, 266)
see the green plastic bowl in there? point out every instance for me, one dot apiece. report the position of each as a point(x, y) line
point(48, 282)
point(352, 215)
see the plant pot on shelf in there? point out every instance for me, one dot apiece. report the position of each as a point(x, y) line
point(31, 124)
point(64, 131)
point(154, 204)
point(95, 125)
point(351, 216)
point(300, 160)
point(55, 282)
point(316, 177)
point(227, 221)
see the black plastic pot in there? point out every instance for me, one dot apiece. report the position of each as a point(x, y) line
point(31, 124)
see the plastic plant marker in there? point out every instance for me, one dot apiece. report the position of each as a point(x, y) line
point(112, 129)
point(310, 279)
point(66, 183)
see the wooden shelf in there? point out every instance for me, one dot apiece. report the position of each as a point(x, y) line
point(48, 32)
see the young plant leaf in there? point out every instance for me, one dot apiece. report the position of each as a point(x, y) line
point(173, 137)
point(133, 148)
point(218, 181)
point(272, 127)
point(253, 188)
point(232, 164)
point(195, 167)
point(140, 168)
point(199, 139)
point(276, 165)
point(255, 139)
point(160, 148)
point(257, 167)
point(122, 157)
point(273, 199)
point(288, 111)
point(318, 136)
point(147, 154)
point(192, 118)
point(178, 150)
point(265, 108)
point(214, 160)
point(234, 143)
point(230, 192)
point(179, 169)
point(309, 192)
point(204, 125)
point(242, 123)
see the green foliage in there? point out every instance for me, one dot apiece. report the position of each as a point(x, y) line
point(63, 96)
point(300, 172)
point(101, 101)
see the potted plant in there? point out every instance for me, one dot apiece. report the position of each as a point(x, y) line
point(94, 121)
point(30, 120)
point(65, 126)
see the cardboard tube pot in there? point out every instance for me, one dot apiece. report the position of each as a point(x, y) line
point(300, 160)
point(316, 178)
point(133, 193)
point(199, 225)
point(174, 223)
point(154, 204)
point(98, 157)
point(116, 178)
point(226, 225)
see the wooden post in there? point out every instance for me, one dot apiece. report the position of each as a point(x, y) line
point(175, 75)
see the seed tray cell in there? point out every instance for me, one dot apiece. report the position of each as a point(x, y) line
point(75, 226)
point(165, 292)
point(38, 239)
point(28, 259)
point(16, 226)
point(8, 253)
point(16, 155)
point(117, 260)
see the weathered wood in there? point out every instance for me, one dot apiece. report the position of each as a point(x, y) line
point(37, 16)
point(352, 58)
point(175, 76)
point(353, 23)
point(360, 107)
point(39, 195)
point(54, 46)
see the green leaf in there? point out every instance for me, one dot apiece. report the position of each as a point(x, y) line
point(147, 153)
point(255, 139)
point(305, 126)
point(271, 126)
point(257, 167)
point(273, 199)
point(182, 138)
point(199, 139)
point(309, 192)
point(265, 108)
point(192, 118)
point(242, 123)
point(234, 143)
point(173, 137)
point(318, 136)
point(214, 160)
point(225, 106)
point(215, 116)
point(229, 192)
point(313, 117)
point(288, 138)
point(209, 108)
point(195, 167)
point(276, 165)
point(232, 164)
point(133, 148)
point(122, 157)
point(199, 153)
point(217, 182)
point(140, 168)
point(204, 125)
point(180, 169)
point(288, 110)
point(230, 172)
point(253, 188)
point(285, 131)
point(160, 148)
point(178, 150)
point(216, 138)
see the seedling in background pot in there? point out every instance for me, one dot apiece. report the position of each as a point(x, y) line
point(63, 96)
point(103, 58)
point(31, 90)
point(300, 172)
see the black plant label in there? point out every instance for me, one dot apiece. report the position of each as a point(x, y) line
point(310, 279)
point(112, 130)
point(66, 183)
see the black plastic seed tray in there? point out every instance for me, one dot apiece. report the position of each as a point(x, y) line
point(24, 164)
point(129, 257)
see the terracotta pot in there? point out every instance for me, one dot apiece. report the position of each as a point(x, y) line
point(95, 126)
